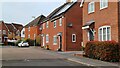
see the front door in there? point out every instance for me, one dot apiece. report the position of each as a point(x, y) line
point(43, 41)
point(60, 43)
point(90, 35)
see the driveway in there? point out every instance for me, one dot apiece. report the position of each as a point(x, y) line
point(34, 56)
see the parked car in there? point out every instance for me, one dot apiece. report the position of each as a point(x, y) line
point(23, 44)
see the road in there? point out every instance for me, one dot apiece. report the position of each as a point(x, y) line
point(34, 56)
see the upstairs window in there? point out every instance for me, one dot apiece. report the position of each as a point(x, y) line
point(60, 22)
point(43, 25)
point(103, 4)
point(0, 32)
point(104, 33)
point(47, 24)
point(73, 37)
point(54, 24)
point(28, 28)
point(91, 7)
point(4, 31)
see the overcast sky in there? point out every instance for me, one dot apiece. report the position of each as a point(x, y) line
point(22, 11)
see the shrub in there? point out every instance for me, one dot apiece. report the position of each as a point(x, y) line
point(30, 42)
point(105, 51)
point(18, 42)
point(38, 41)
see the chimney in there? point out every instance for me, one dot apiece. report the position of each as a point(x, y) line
point(68, 0)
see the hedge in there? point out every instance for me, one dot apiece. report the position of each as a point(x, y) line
point(105, 51)
point(31, 42)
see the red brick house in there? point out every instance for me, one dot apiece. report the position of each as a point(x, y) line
point(14, 31)
point(9, 31)
point(101, 20)
point(62, 29)
point(3, 32)
point(32, 29)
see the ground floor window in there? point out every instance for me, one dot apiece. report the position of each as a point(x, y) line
point(104, 33)
point(73, 37)
point(47, 38)
point(55, 40)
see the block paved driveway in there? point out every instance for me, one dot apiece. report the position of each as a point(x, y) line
point(33, 56)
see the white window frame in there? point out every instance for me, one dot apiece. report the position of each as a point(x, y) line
point(29, 36)
point(55, 42)
point(104, 27)
point(102, 4)
point(73, 37)
point(47, 38)
point(60, 22)
point(29, 28)
point(4, 31)
point(0, 31)
point(43, 25)
point(0, 39)
point(90, 7)
point(47, 24)
point(55, 24)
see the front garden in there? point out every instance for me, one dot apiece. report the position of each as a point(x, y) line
point(105, 51)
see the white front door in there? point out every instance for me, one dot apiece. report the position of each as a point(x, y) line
point(43, 41)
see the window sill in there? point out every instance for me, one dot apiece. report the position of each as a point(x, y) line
point(54, 43)
point(90, 12)
point(104, 8)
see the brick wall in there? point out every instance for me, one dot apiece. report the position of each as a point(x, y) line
point(74, 16)
point(107, 16)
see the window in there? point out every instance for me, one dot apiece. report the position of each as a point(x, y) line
point(34, 36)
point(55, 40)
point(4, 31)
point(60, 22)
point(0, 39)
point(0, 32)
point(103, 4)
point(47, 38)
point(29, 36)
point(28, 28)
point(73, 37)
point(91, 7)
point(47, 24)
point(43, 25)
point(54, 24)
point(104, 33)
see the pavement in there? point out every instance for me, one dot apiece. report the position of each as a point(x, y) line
point(54, 55)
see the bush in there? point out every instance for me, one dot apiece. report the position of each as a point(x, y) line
point(38, 43)
point(18, 42)
point(30, 42)
point(105, 51)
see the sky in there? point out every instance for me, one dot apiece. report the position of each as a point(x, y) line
point(12, 11)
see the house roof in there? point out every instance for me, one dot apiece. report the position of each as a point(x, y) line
point(17, 26)
point(13, 27)
point(60, 10)
point(10, 27)
point(36, 21)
